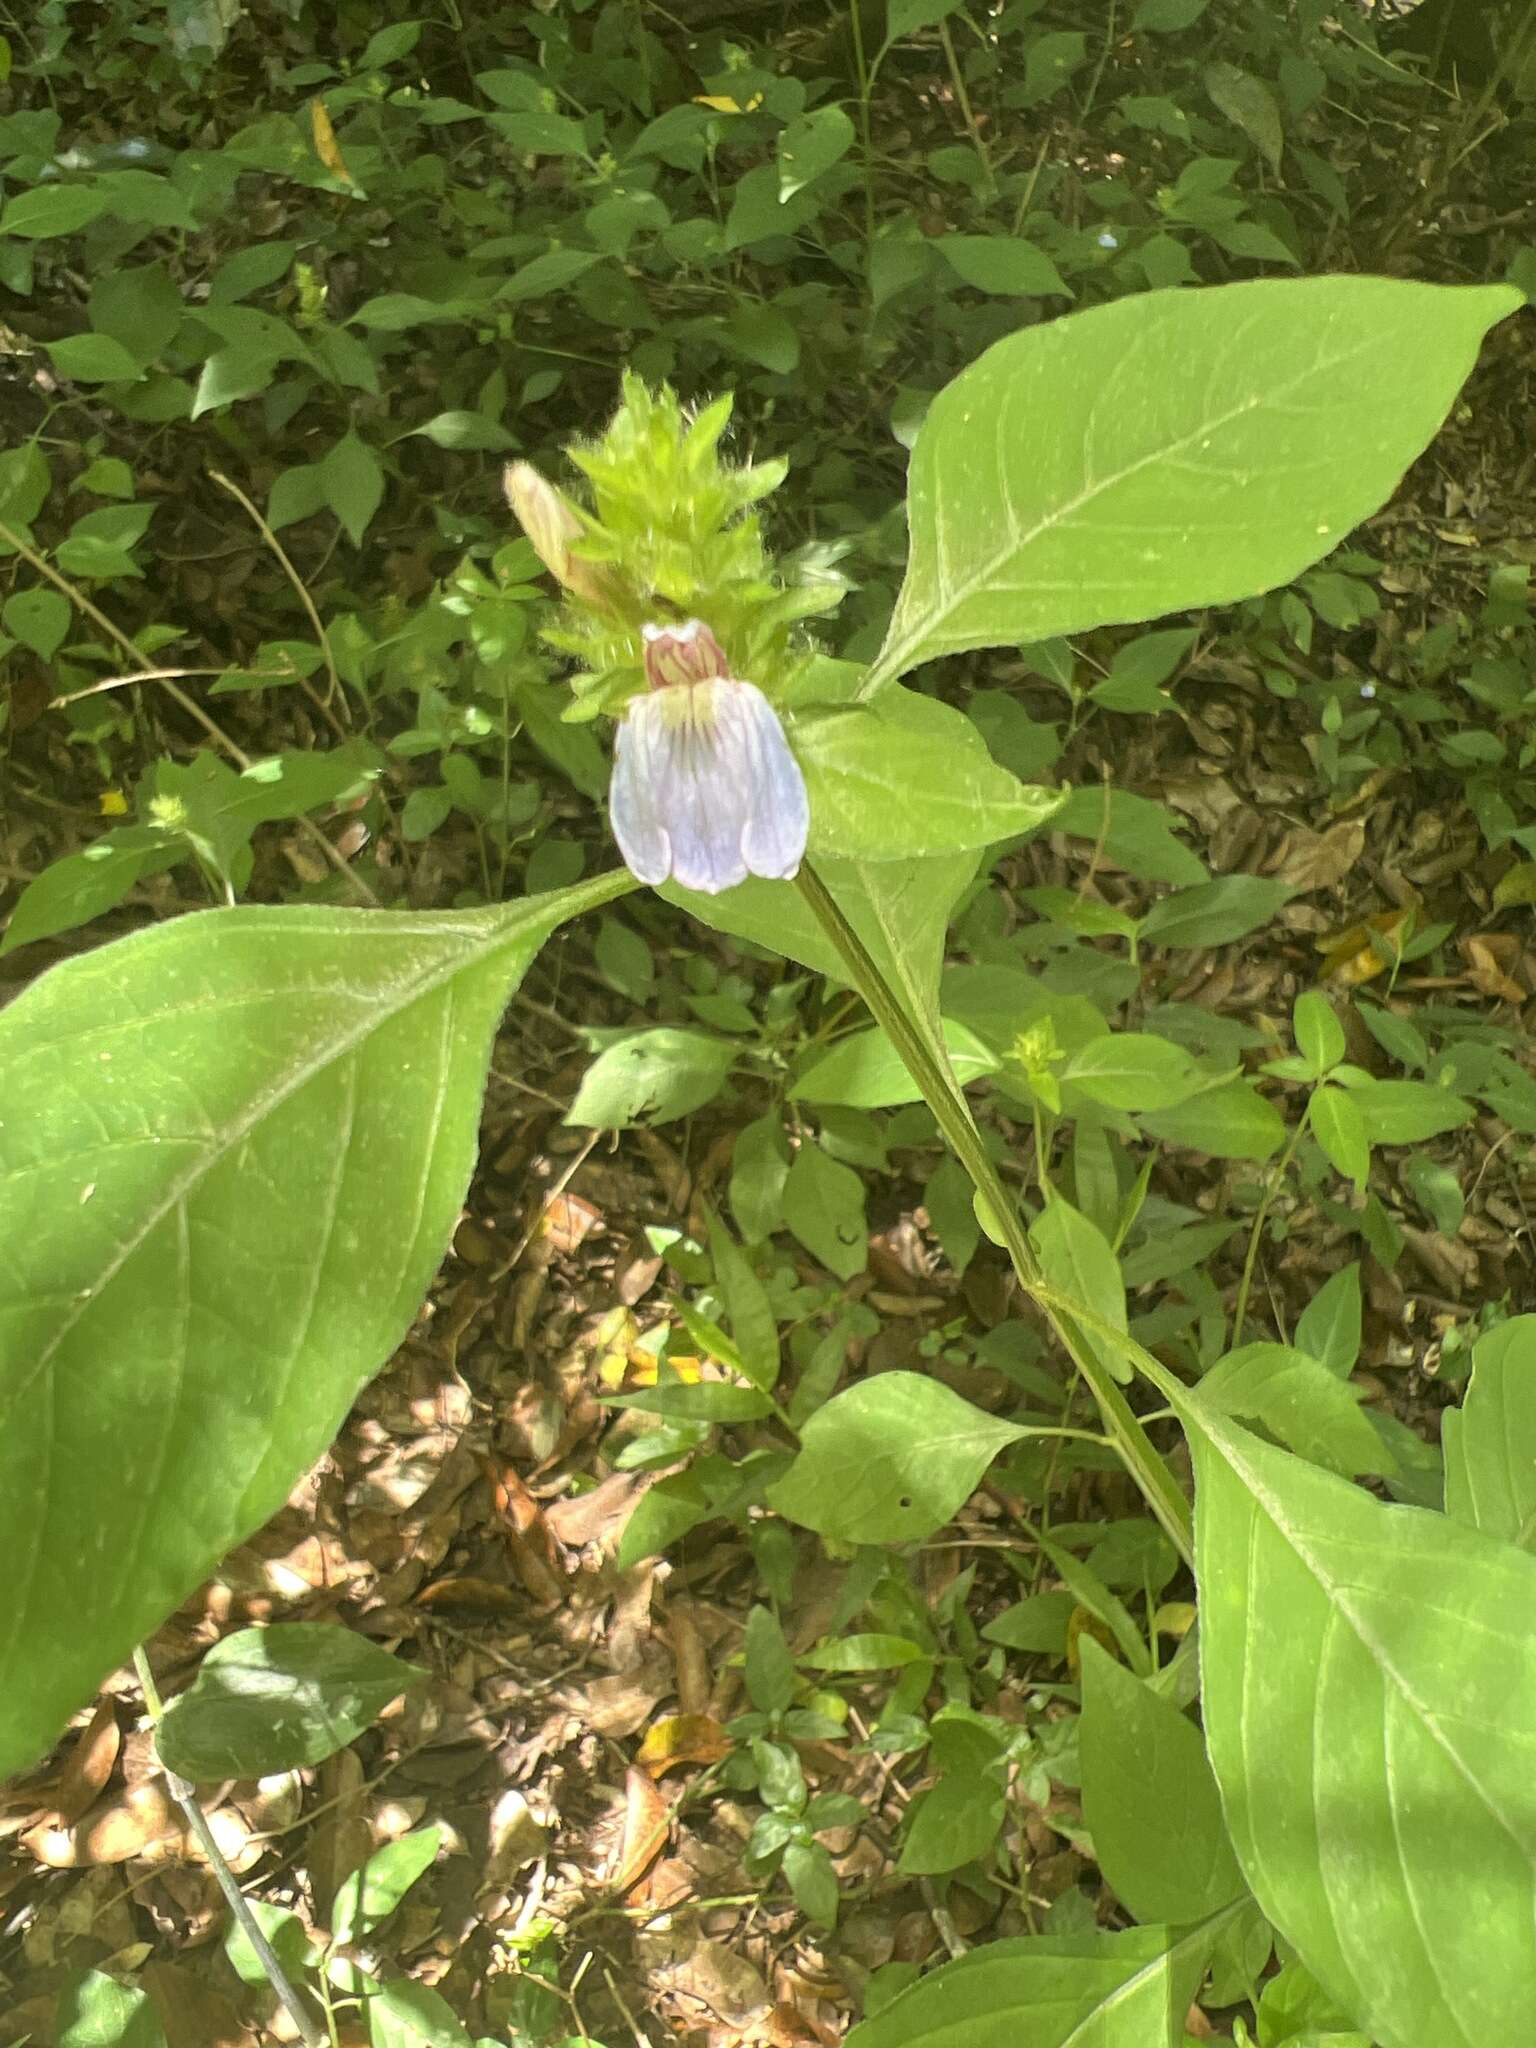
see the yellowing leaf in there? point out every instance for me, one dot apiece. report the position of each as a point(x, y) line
point(113, 804)
point(722, 103)
point(682, 1739)
point(1367, 949)
point(327, 148)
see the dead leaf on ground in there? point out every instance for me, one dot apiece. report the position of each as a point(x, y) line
point(647, 1820)
point(90, 1764)
point(1319, 860)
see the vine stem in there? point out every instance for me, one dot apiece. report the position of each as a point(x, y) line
point(1068, 1317)
point(185, 1797)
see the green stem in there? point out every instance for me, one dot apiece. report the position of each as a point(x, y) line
point(185, 1797)
point(931, 1072)
point(1261, 1216)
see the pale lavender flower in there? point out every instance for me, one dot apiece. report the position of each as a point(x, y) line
point(705, 790)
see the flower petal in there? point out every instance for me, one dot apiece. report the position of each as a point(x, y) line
point(632, 807)
point(705, 788)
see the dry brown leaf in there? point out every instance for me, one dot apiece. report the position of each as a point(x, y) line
point(598, 1515)
point(567, 1221)
point(1320, 860)
point(1365, 950)
point(91, 1763)
point(342, 1840)
point(694, 1677)
point(1488, 958)
point(191, 2012)
point(143, 1820)
point(472, 1595)
point(647, 1819)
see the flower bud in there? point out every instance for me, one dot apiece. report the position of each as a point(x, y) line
point(551, 524)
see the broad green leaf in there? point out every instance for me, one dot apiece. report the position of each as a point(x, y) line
point(657, 1075)
point(1336, 1122)
point(1232, 1121)
point(1003, 264)
point(824, 1208)
point(1165, 17)
point(1490, 1441)
point(352, 479)
point(1319, 1034)
point(51, 210)
point(1132, 1070)
point(1129, 1990)
point(957, 1820)
point(235, 1151)
point(811, 144)
point(80, 886)
point(464, 430)
point(1135, 833)
point(1077, 1258)
point(759, 1169)
point(905, 778)
point(95, 2011)
point(285, 1935)
point(767, 1665)
point(406, 2014)
point(277, 1699)
point(906, 17)
point(94, 359)
point(889, 1460)
point(1067, 480)
point(866, 1072)
point(1149, 1798)
point(747, 1307)
point(706, 1401)
point(1214, 913)
point(1309, 1408)
point(39, 619)
point(865, 1653)
point(1369, 1692)
point(373, 1892)
point(1249, 104)
point(1329, 1328)
point(1404, 1112)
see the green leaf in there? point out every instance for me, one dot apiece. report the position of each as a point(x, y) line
point(277, 1699)
point(94, 359)
point(812, 1880)
point(1166, 17)
point(352, 479)
point(1338, 1126)
point(230, 374)
point(236, 1150)
point(1329, 1329)
point(1149, 492)
point(285, 1934)
point(95, 2011)
point(810, 145)
point(1230, 1122)
point(1077, 1258)
point(1136, 834)
point(908, 776)
point(1003, 264)
point(406, 2014)
point(865, 1653)
point(1248, 104)
point(865, 1071)
point(1310, 1409)
point(709, 1401)
point(824, 1208)
point(1490, 1441)
point(372, 1893)
point(1319, 1034)
point(957, 1820)
point(50, 210)
point(1129, 1990)
point(1215, 913)
point(768, 1666)
point(1404, 1112)
point(889, 1460)
point(759, 1169)
point(39, 618)
point(80, 886)
point(747, 1307)
point(657, 1075)
point(465, 430)
point(1369, 1692)
point(1132, 1070)
point(906, 17)
point(1149, 1798)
